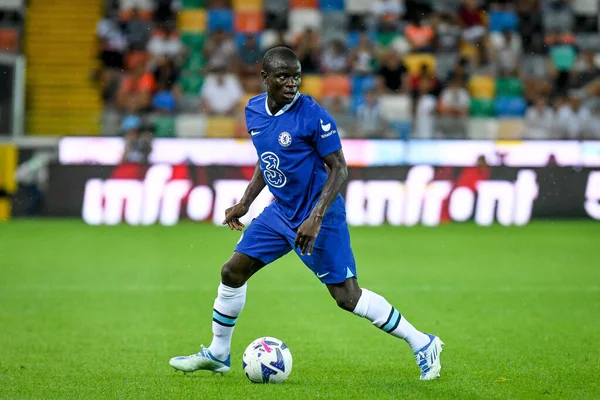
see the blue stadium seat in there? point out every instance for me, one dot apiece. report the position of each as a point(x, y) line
point(510, 106)
point(332, 5)
point(503, 20)
point(220, 19)
point(353, 37)
point(356, 101)
point(240, 37)
point(362, 83)
point(402, 129)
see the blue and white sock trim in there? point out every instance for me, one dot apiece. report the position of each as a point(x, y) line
point(223, 319)
point(392, 321)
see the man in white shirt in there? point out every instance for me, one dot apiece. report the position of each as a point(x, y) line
point(573, 120)
point(454, 110)
point(221, 93)
point(538, 120)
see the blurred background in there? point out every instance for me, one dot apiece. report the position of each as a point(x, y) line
point(447, 83)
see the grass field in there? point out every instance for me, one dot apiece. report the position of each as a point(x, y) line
point(96, 312)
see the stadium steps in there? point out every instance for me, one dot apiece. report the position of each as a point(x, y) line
point(60, 45)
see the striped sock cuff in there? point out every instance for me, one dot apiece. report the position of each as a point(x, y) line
point(392, 321)
point(223, 319)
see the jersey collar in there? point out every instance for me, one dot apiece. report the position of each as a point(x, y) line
point(284, 109)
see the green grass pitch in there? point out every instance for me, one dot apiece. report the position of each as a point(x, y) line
point(96, 312)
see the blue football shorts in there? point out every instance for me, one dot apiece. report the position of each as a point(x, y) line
point(269, 237)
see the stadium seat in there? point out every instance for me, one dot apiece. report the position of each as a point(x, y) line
point(194, 62)
point(510, 106)
point(560, 21)
point(395, 107)
point(241, 37)
point(276, 6)
point(193, 40)
point(334, 21)
point(482, 108)
point(586, 7)
point(336, 85)
point(193, 4)
point(355, 101)
point(402, 129)
point(589, 42)
point(468, 50)
point(482, 129)
point(500, 21)
point(445, 65)
point(220, 19)
point(357, 6)
point(401, 45)
point(507, 87)
point(353, 37)
point(362, 83)
point(192, 83)
point(414, 62)
point(300, 19)
point(386, 38)
point(268, 38)
point(164, 126)
point(511, 128)
point(312, 85)
point(191, 21)
point(220, 127)
point(294, 4)
point(450, 7)
point(247, 5)
point(482, 86)
point(249, 21)
point(332, 5)
point(9, 40)
point(190, 125)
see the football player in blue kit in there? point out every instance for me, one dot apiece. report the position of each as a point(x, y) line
point(300, 159)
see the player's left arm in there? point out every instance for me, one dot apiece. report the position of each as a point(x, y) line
point(328, 144)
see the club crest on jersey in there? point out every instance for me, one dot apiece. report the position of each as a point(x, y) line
point(285, 139)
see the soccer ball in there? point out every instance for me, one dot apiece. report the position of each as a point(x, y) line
point(267, 360)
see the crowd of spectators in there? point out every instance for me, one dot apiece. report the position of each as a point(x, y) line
point(408, 68)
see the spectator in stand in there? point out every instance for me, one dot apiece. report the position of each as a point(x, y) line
point(386, 14)
point(421, 36)
point(129, 8)
point(137, 88)
point(334, 59)
point(137, 31)
point(220, 50)
point(250, 64)
point(424, 76)
point(454, 110)
point(344, 120)
point(165, 9)
point(112, 42)
point(363, 58)
point(393, 74)
point(563, 54)
point(506, 51)
point(165, 42)
point(473, 26)
point(539, 120)
point(573, 120)
point(138, 141)
point(584, 71)
point(425, 114)
point(370, 119)
point(221, 93)
point(168, 91)
point(307, 50)
point(448, 34)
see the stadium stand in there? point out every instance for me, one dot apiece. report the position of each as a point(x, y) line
point(502, 55)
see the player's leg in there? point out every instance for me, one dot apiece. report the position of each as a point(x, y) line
point(374, 307)
point(259, 245)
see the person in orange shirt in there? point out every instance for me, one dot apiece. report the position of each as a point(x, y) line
point(420, 35)
point(136, 89)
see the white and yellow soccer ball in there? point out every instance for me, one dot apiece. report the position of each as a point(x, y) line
point(267, 360)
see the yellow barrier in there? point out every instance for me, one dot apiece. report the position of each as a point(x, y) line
point(8, 185)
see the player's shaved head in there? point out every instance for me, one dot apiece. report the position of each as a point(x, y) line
point(279, 57)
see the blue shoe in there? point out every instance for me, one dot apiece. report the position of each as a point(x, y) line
point(428, 358)
point(201, 361)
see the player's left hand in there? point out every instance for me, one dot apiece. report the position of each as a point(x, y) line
point(307, 234)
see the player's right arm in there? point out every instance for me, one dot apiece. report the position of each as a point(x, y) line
point(234, 213)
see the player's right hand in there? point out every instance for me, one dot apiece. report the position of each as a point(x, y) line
point(233, 215)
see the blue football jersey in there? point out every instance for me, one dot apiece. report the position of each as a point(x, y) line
point(291, 145)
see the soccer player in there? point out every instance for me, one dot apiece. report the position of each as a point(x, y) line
point(301, 160)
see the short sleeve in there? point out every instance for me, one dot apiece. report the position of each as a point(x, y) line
point(326, 136)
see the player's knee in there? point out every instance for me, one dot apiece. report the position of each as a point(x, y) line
point(232, 275)
point(347, 300)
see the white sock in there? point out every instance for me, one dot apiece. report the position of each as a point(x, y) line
point(228, 305)
point(376, 309)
